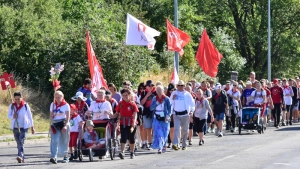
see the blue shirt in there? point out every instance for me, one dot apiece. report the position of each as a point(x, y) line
point(86, 93)
point(247, 94)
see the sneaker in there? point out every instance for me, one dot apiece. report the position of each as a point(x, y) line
point(220, 134)
point(53, 160)
point(131, 155)
point(283, 124)
point(75, 154)
point(121, 155)
point(208, 130)
point(19, 159)
point(183, 148)
point(190, 143)
point(291, 123)
point(231, 130)
point(65, 160)
point(144, 146)
point(169, 145)
point(200, 143)
point(213, 130)
point(164, 149)
point(265, 128)
point(175, 147)
point(149, 146)
point(159, 151)
point(72, 157)
point(277, 127)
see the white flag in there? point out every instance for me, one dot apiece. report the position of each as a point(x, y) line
point(174, 77)
point(137, 33)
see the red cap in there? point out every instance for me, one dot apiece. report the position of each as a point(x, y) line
point(275, 81)
point(73, 107)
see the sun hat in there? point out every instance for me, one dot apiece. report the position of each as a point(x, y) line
point(181, 82)
point(89, 123)
point(248, 83)
point(79, 95)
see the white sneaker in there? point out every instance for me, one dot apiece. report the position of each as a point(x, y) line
point(208, 130)
point(220, 134)
point(213, 130)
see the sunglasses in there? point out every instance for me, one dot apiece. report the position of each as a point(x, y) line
point(180, 85)
point(234, 85)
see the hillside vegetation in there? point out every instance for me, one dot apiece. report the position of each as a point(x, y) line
point(36, 34)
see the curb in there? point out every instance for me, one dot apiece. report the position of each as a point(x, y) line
point(27, 142)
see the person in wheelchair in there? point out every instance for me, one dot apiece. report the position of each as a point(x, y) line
point(91, 138)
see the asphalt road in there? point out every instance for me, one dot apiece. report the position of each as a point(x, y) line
point(274, 149)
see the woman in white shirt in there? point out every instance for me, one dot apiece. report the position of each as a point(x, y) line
point(21, 120)
point(235, 95)
point(288, 100)
point(60, 128)
point(100, 108)
point(259, 96)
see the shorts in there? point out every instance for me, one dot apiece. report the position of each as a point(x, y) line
point(220, 116)
point(171, 124)
point(266, 112)
point(209, 118)
point(147, 122)
point(127, 135)
point(73, 139)
point(199, 124)
point(191, 126)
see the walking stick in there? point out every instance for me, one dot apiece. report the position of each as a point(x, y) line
point(12, 102)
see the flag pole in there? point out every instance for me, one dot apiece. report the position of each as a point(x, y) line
point(124, 62)
point(176, 25)
point(269, 40)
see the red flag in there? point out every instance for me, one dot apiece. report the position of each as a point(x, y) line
point(95, 67)
point(208, 57)
point(177, 39)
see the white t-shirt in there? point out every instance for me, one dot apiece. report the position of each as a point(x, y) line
point(258, 99)
point(74, 123)
point(98, 110)
point(234, 94)
point(60, 112)
point(179, 102)
point(287, 99)
point(160, 110)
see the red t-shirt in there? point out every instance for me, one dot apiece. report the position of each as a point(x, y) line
point(276, 93)
point(127, 109)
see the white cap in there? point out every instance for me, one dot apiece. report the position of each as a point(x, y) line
point(79, 95)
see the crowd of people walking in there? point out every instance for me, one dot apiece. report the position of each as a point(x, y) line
point(155, 116)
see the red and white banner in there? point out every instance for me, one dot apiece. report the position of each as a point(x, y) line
point(137, 33)
point(176, 38)
point(174, 77)
point(95, 67)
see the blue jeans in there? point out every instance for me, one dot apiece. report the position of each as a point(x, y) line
point(20, 137)
point(220, 117)
point(59, 143)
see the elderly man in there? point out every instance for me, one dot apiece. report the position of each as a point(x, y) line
point(183, 107)
point(219, 107)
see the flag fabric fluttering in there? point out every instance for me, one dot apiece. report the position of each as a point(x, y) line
point(95, 67)
point(137, 33)
point(208, 57)
point(174, 77)
point(176, 38)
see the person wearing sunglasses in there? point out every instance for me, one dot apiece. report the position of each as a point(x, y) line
point(183, 107)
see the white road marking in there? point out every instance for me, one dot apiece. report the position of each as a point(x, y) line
point(222, 159)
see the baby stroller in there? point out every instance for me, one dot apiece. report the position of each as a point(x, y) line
point(105, 129)
point(250, 119)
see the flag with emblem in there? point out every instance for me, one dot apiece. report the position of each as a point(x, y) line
point(137, 33)
point(176, 38)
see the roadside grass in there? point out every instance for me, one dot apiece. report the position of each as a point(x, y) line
point(40, 116)
point(164, 76)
